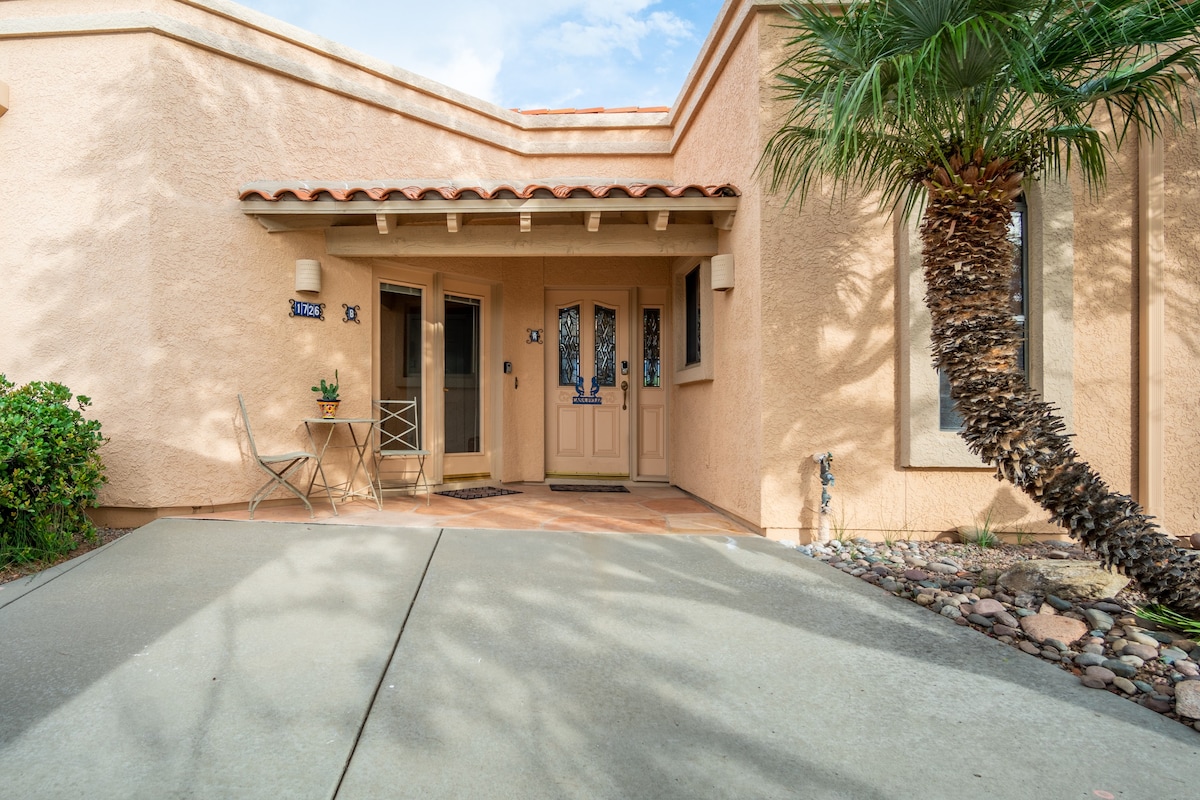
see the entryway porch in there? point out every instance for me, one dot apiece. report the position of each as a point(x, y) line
point(646, 508)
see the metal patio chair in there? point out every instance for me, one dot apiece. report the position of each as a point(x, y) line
point(278, 467)
point(399, 437)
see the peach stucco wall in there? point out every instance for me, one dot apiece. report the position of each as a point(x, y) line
point(131, 274)
point(717, 431)
point(1181, 433)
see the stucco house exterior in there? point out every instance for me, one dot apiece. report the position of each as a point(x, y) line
point(169, 162)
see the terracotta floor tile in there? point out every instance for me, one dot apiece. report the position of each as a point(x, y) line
point(645, 509)
point(678, 505)
point(603, 525)
point(703, 523)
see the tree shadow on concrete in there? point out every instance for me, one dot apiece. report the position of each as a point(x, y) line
point(592, 666)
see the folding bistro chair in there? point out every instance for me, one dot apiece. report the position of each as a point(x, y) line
point(399, 437)
point(278, 467)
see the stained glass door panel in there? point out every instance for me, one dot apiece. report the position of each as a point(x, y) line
point(651, 401)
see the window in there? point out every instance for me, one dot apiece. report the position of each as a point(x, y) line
point(463, 389)
point(692, 320)
point(568, 345)
point(606, 345)
point(1018, 233)
point(401, 358)
point(651, 347)
point(1043, 295)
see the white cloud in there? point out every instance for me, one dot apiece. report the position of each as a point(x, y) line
point(603, 37)
point(524, 53)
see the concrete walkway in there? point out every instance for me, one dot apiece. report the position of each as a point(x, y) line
point(220, 659)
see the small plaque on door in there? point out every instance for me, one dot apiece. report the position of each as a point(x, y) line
point(580, 399)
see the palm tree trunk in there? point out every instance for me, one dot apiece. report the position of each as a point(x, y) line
point(968, 260)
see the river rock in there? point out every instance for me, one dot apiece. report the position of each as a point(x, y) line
point(1069, 579)
point(1187, 699)
point(1041, 627)
point(1125, 685)
point(1057, 603)
point(1170, 655)
point(1005, 618)
point(1121, 668)
point(1099, 620)
point(1142, 651)
point(987, 607)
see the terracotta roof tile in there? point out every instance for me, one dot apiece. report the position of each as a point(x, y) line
point(379, 191)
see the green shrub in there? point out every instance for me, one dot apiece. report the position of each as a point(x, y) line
point(50, 471)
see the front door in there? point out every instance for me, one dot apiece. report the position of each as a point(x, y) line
point(587, 383)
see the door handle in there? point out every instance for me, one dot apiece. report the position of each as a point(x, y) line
point(624, 395)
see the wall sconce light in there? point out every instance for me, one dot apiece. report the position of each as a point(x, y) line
point(308, 275)
point(722, 272)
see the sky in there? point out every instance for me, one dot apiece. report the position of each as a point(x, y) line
point(523, 53)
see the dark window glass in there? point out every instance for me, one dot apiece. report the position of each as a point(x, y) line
point(401, 358)
point(463, 393)
point(401, 355)
point(691, 286)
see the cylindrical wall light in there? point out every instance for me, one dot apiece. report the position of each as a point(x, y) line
point(308, 275)
point(722, 272)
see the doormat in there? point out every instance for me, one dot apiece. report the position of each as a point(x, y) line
point(585, 487)
point(476, 494)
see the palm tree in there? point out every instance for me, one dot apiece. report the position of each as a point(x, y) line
point(952, 105)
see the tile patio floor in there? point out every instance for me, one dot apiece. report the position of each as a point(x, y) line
point(648, 508)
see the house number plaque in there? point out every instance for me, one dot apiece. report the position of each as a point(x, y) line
point(301, 308)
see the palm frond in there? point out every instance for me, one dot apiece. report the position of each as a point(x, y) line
point(879, 91)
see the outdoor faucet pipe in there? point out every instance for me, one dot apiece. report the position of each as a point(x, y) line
point(825, 466)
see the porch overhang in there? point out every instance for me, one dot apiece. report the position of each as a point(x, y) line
point(549, 218)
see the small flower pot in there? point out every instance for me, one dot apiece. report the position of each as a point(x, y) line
point(328, 408)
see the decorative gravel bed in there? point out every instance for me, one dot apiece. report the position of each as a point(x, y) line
point(1102, 640)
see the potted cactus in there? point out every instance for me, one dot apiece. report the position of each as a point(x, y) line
point(329, 397)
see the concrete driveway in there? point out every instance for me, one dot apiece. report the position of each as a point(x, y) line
point(216, 659)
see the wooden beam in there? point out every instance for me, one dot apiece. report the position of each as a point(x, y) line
point(526, 221)
point(723, 220)
point(658, 219)
point(287, 223)
point(593, 221)
point(386, 223)
point(546, 240)
point(453, 221)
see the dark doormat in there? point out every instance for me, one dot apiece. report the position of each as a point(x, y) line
point(476, 494)
point(585, 487)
